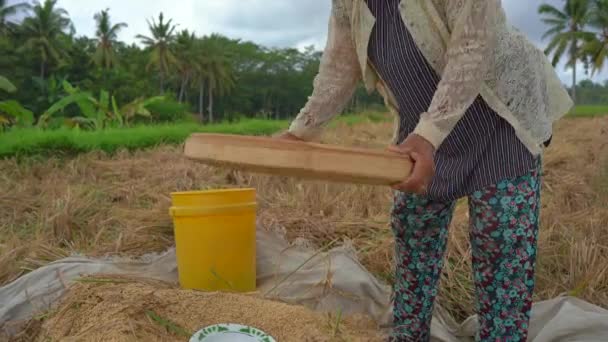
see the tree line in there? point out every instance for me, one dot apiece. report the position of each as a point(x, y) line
point(214, 76)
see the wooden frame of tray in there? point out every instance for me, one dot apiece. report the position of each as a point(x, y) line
point(298, 159)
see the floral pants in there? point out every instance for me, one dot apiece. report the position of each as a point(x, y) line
point(504, 221)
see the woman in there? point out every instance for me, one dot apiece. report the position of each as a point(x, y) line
point(474, 103)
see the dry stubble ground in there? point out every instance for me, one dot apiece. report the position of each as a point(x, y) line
point(97, 204)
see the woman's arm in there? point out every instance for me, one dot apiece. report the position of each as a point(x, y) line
point(468, 54)
point(336, 81)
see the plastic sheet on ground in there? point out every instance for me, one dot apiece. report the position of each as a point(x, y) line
point(294, 273)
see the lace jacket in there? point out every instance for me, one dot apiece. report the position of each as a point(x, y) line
point(470, 45)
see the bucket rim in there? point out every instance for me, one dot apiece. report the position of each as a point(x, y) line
point(208, 192)
point(185, 211)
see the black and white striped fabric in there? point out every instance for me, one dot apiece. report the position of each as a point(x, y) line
point(481, 150)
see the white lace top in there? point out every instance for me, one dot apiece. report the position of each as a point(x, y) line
point(469, 43)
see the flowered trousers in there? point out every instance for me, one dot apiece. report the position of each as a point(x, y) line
point(504, 220)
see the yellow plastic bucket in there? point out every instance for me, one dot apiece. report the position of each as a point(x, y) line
point(215, 239)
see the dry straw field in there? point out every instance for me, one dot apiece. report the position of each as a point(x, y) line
point(98, 204)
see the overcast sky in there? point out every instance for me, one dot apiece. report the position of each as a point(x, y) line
point(273, 23)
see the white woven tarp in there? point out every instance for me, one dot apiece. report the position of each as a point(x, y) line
point(324, 281)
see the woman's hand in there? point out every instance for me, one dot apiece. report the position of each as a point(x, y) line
point(421, 152)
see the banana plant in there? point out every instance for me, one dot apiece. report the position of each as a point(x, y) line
point(82, 99)
point(12, 112)
point(6, 85)
point(134, 108)
point(97, 113)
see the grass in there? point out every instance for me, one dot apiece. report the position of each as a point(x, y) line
point(168, 324)
point(36, 142)
point(336, 326)
point(589, 111)
point(28, 142)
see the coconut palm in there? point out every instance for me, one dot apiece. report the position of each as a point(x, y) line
point(215, 69)
point(566, 26)
point(200, 77)
point(7, 11)
point(160, 43)
point(43, 32)
point(106, 36)
point(185, 47)
point(595, 47)
point(220, 80)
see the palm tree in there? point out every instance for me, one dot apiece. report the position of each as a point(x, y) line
point(107, 35)
point(200, 75)
point(216, 69)
point(595, 47)
point(185, 47)
point(160, 43)
point(566, 26)
point(7, 11)
point(43, 32)
point(220, 80)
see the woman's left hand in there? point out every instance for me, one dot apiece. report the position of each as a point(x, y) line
point(421, 152)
